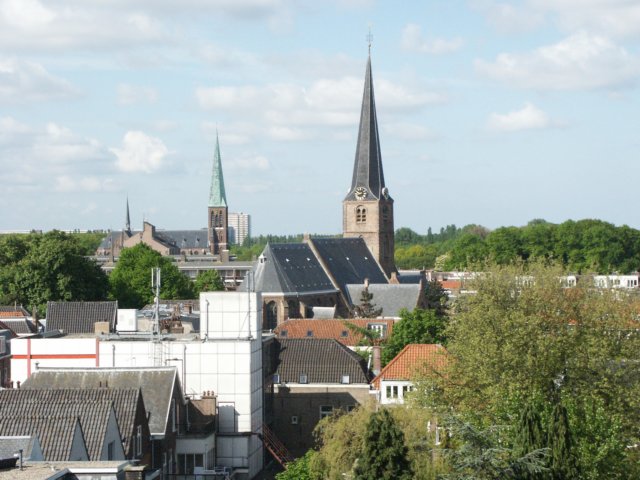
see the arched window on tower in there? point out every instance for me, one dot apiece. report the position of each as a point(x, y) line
point(385, 214)
point(271, 316)
point(361, 214)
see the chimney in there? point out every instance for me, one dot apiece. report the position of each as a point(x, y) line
point(394, 278)
point(366, 283)
point(377, 364)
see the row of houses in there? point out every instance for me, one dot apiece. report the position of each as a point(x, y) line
point(219, 398)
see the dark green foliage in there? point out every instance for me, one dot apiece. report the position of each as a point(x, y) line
point(366, 308)
point(384, 455)
point(418, 326)
point(436, 298)
point(208, 281)
point(530, 437)
point(131, 278)
point(563, 461)
point(89, 241)
point(38, 268)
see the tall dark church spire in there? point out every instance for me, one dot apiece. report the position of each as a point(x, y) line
point(217, 210)
point(367, 210)
point(127, 223)
point(368, 177)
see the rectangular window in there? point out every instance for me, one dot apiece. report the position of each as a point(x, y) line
point(325, 411)
point(111, 450)
point(174, 423)
point(3, 345)
point(379, 328)
point(276, 379)
point(303, 378)
point(294, 420)
point(345, 379)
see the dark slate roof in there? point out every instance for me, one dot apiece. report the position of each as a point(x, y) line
point(177, 238)
point(13, 444)
point(156, 384)
point(125, 402)
point(322, 360)
point(55, 433)
point(80, 317)
point(18, 327)
point(349, 260)
point(92, 410)
point(289, 268)
point(367, 168)
point(390, 297)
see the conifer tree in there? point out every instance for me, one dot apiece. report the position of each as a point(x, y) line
point(530, 437)
point(384, 456)
point(367, 309)
point(563, 462)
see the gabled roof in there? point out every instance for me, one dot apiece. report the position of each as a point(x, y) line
point(55, 433)
point(390, 297)
point(289, 268)
point(348, 260)
point(329, 329)
point(18, 326)
point(156, 384)
point(92, 410)
point(321, 360)
point(184, 239)
point(125, 402)
point(80, 317)
point(367, 168)
point(13, 311)
point(412, 359)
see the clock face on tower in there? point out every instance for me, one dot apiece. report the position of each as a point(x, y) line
point(361, 193)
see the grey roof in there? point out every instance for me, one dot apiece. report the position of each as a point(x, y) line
point(125, 401)
point(156, 384)
point(10, 445)
point(21, 326)
point(322, 360)
point(349, 260)
point(80, 317)
point(184, 239)
point(54, 432)
point(92, 410)
point(367, 168)
point(289, 268)
point(325, 313)
point(390, 297)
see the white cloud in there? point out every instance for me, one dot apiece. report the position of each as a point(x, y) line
point(414, 41)
point(22, 81)
point(510, 18)
point(140, 153)
point(528, 117)
point(581, 61)
point(132, 94)
point(409, 131)
point(257, 162)
point(68, 183)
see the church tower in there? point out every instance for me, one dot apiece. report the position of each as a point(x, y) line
point(217, 211)
point(367, 210)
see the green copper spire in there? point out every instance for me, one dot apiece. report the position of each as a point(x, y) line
point(217, 197)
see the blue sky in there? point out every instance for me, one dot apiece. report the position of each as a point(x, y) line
point(490, 112)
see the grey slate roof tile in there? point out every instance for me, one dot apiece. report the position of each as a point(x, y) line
point(156, 384)
point(390, 297)
point(349, 260)
point(80, 317)
point(90, 408)
point(321, 360)
point(54, 432)
point(9, 445)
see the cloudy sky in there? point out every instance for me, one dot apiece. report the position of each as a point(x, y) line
point(490, 112)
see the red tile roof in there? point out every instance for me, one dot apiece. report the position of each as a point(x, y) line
point(451, 284)
point(8, 314)
point(334, 329)
point(411, 359)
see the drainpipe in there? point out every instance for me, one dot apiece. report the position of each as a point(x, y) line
point(206, 333)
point(113, 355)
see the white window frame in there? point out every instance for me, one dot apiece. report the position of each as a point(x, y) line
point(325, 411)
point(304, 378)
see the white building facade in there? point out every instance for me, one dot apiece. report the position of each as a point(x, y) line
point(239, 227)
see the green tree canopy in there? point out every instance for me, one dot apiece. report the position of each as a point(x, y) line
point(38, 268)
point(130, 280)
point(208, 281)
point(418, 326)
point(384, 453)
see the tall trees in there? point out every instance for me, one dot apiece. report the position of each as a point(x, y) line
point(131, 278)
point(208, 281)
point(384, 453)
point(516, 342)
point(38, 268)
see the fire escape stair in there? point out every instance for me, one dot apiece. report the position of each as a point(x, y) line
point(275, 446)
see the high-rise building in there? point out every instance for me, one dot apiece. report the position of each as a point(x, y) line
point(239, 227)
point(368, 207)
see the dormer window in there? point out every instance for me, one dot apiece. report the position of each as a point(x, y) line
point(309, 333)
point(304, 378)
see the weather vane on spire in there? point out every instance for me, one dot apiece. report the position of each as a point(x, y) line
point(369, 39)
